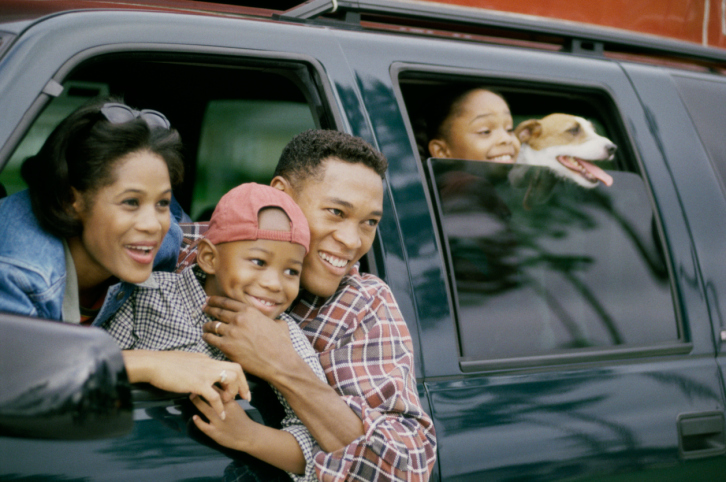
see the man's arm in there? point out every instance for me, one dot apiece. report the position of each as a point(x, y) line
point(367, 355)
point(263, 347)
point(366, 350)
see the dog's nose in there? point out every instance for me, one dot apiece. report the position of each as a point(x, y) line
point(611, 148)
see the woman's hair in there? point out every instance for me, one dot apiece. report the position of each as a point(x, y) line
point(445, 102)
point(81, 152)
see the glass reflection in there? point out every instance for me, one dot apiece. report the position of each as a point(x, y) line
point(542, 265)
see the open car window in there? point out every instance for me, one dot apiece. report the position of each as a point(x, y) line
point(234, 115)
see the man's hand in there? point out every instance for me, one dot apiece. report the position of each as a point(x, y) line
point(261, 345)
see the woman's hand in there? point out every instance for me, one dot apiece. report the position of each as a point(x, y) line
point(184, 372)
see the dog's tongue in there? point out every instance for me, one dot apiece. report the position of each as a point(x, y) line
point(601, 175)
point(578, 165)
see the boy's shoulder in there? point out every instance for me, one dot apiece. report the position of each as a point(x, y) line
point(193, 233)
point(160, 280)
point(185, 280)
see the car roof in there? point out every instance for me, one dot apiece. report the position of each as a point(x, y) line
point(427, 18)
point(29, 10)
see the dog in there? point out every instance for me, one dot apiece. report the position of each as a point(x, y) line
point(567, 145)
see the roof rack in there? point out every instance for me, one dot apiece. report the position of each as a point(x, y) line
point(573, 35)
point(311, 9)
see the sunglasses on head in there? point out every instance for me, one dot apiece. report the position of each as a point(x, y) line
point(117, 113)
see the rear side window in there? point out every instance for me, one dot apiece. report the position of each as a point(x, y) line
point(705, 100)
point(541, 266)
point(538, 264)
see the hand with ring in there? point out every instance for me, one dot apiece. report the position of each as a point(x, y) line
point(217, 381)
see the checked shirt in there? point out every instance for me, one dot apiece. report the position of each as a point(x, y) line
point(165, 313)
point(366, 351)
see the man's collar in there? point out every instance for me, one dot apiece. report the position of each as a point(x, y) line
point(315, 300)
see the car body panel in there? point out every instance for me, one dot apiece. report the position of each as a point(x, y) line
point(604, 415)
point(536, 423)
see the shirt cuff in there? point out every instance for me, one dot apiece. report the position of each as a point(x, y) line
point(309, 449)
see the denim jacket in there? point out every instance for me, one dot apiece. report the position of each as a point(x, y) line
point(33, 264)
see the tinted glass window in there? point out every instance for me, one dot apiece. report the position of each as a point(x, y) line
point(705, 101)
point(74, 95)
point(540, 265)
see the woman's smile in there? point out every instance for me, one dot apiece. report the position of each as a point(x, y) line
point(124, 222)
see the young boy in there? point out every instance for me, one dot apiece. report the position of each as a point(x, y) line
point(252, 252)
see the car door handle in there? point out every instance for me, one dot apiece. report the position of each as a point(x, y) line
point(701, 434)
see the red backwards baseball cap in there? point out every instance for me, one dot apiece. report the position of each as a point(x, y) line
point(235, 217)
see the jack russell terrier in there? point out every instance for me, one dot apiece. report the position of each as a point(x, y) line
point(566, 144)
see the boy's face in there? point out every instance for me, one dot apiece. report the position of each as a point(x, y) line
point(262, 273)
point(343, 208)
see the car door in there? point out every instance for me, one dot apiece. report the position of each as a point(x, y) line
point(693, 142)
point(622, 379)
point(237, 91)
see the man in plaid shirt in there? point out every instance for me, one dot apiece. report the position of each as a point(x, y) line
point(367, 420)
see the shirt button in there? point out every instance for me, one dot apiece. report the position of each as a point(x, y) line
point(120, 295)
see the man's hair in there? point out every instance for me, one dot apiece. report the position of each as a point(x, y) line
point(303, 155)
point(81, 153)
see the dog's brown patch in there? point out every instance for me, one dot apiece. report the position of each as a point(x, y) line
point(553, 130)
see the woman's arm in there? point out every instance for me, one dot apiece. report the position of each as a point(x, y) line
point(184, 372)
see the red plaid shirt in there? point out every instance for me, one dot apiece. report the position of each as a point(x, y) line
point(366, 351)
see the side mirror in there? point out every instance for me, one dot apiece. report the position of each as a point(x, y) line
point(60, 381)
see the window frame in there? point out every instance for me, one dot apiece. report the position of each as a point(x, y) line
point(316, 87)
point(213, 56)
point(680, 346)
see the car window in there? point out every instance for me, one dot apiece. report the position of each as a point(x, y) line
point(74, 95)
point(704, 100)
point(541, 265)
point(234, 119)
point(538, 264)
point(241, 141)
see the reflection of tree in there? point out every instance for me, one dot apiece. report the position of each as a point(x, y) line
point(162, 439)
point(578, 409)
point(501, 252)
point(553, 405)
point(653, 257)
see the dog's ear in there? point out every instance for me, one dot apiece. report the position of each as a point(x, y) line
point(528, 129)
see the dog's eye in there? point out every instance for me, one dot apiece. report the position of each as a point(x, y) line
point(574, 130)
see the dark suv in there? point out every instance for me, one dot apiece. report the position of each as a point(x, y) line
point(567, 334)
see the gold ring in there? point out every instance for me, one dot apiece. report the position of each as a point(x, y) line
point(223, 376)
point(216, 327)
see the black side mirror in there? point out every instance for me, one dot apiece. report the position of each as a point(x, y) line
point(59, 381)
